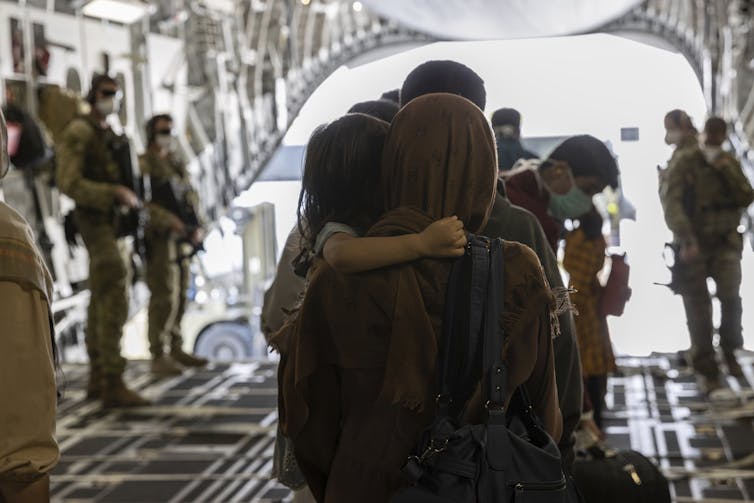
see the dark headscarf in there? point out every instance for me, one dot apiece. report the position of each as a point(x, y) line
point(440, 157)
point(588, 156)
point(439, 160)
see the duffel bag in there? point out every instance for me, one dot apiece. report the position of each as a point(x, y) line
point(620, 477)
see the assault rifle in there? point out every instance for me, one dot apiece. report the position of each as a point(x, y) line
point(172, 194)
point(129, 222)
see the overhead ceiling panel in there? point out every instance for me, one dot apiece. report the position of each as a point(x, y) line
point(497, 19)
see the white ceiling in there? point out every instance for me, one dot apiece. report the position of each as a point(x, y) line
point(496, 19)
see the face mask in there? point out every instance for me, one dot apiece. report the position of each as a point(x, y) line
point(107, 107)
point(673, 137)
point(164, 141)
point(711, 153)
point(572, 204)
point(507, 131)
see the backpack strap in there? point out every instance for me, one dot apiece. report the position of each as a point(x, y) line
point(460, 357)
point(472, 338)
point(494, 370)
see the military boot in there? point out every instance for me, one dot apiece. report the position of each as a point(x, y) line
point(734, 368)
point(94, 386)
point(116, 394)
point(164, 366)
point(187, 360)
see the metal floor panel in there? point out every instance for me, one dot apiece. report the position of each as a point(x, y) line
point(210, 436)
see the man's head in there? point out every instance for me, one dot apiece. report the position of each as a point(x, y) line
point(4, 158)
point(160, 131)
point(507, 122)
point(104, 95)
point(444, 77)
point(381, 109)
point(715, 132)
point(576, 170)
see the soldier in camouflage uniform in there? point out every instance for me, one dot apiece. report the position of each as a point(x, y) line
point(87, 172)
point(167, 234)
point(704, 192)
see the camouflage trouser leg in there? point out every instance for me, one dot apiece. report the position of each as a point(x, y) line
point(725, 269)
point(161, 283)
point(698, 306)
point(91, 337)
point(108, 305)
point(182, 284)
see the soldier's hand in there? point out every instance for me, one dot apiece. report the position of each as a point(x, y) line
point(176, 226)
point(689, 253)
point(126, 197)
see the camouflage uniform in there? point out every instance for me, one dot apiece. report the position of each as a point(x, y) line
point(167, 277)
point(703, 205)
point(87, 173)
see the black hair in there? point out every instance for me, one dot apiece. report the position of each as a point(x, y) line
point(444, 77)
point(591, 223)
point(506, 117)
point(97, 81)
point(588, 156)
point(393, 95)
point(152, 122)
point(342, 174)
point(716, 125)
point(381, 109)
point(681, 119)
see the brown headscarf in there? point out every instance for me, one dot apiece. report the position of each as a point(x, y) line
point(439, 160)
point(439, 157)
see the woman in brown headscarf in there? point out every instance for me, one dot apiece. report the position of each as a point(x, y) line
point(358, 370)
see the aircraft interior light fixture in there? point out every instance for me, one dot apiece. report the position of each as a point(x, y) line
point(357, 6)
point(119, 11)
point(305, 2)
point(227, 6)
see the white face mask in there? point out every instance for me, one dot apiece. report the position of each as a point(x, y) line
point(711, 153)
point(165, 141)
point(108, 106)
point(673, 137)
point(507, 131)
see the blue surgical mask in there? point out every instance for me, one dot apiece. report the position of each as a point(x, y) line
point(572, 204)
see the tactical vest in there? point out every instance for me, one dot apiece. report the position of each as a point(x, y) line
point(99, 165)
point(707, 201)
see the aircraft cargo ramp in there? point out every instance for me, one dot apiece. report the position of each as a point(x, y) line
point(210, 435)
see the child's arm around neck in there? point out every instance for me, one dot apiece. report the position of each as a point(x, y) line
point(445, 238)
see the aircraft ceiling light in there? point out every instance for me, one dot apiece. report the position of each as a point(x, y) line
point(119, 11)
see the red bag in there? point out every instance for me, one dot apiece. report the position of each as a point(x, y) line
point(15, 130)
point(616, 292)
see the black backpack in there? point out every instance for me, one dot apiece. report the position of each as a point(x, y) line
point(510, 457)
